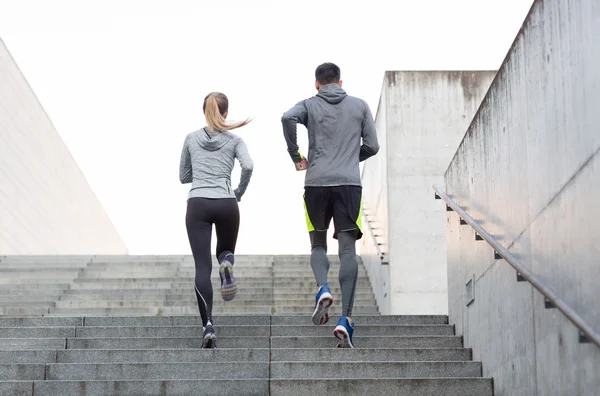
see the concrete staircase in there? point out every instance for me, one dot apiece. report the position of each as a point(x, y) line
point(118, 326)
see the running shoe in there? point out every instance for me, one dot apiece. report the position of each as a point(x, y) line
point(323, 301)
point(228, 288)
point(209, 340)
point(343, 332)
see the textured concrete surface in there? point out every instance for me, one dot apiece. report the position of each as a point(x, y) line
point(116, 285)
point(164, 342)
point(369, 342)
point(396, 387)
point(250, 387)
point(423, 115)
point(310, 370)
point(83, 354)
point(16, 388)
point(371, 354)
point(527, 171)
point(164, 371)
point(21, 372)
point(164, 355)
point(36, 163)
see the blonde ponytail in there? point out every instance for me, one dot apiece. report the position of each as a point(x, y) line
point(215, 106)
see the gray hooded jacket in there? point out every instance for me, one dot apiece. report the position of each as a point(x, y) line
point(336, 124)
point(207, 160)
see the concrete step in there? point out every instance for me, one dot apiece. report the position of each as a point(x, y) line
point(192, 309)
point(335, 310)
point(12, 300)
point(53, 273)
point(369, 342)
point(171, 331)
point(18, 303)
point(362, 320)
point(256, 387)
point(43, 287)
point(25, 282)
point(163, 371)
point(23, 311)
point(222, 330)
point(28, 357)
point(37, 332)
point(353, 370)
point(155, 321)
point(160, 355)
point(26, 344)
point(103, 312)
point(188, 295)
point(40, 322)
point(376, 386)
point(164, 342)
point(147, 387)
point(367, 330)
point(172, 293)
point(21, 372)
point(370, 354)
point(190, 301)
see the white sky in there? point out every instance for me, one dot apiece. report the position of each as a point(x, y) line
point(123, 82)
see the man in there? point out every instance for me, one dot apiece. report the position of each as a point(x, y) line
point(336, 124)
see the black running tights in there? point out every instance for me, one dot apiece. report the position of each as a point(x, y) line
point(202, 213)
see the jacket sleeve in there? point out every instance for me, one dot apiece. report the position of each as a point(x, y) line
point(241, 153)
point(185, 165)
point(370, 145)
point(290, 119)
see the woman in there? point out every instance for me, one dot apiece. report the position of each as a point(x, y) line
point(207, 160)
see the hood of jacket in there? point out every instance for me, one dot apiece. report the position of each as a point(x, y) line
point(211, 141)
point(332, 93)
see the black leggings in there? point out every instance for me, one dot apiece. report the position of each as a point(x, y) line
point(202, 213)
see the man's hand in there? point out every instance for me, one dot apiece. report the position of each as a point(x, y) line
point(302, 165)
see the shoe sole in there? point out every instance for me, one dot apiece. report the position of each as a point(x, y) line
point(209, 341)
point(228, 287)
point(341, 334)
point(320, 315)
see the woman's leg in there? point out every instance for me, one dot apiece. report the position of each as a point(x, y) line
point(227, 224)
point(199, 230)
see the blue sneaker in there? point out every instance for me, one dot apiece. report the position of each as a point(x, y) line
point(323, 301)
point(343, 332)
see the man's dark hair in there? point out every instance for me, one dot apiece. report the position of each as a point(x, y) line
point(328, 73)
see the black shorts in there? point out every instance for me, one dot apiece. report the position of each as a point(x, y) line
point(342, 203)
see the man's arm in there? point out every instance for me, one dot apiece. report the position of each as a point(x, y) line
point(185, 165)
point(369, 146)
point(290, 119)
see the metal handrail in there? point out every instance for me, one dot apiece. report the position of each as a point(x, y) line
point(374, 238)
point(529, 276)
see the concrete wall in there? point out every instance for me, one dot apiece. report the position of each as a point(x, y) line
point(423, 115)
point(375, 207)
point(46, 205)
point(528, 170)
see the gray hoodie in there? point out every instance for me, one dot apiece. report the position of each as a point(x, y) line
point(336, 124)
point(207, 160)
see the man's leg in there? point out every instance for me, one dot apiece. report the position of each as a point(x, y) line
point(318, 216)
point(347, 218)
point(318, 256)
point(348, 270)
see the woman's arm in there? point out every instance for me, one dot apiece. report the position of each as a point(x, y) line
point(241, 153)
point(185, 165)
